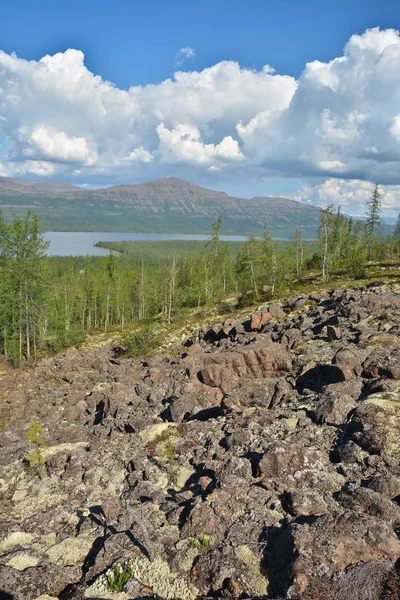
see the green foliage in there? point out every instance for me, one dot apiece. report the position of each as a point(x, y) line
point(169, 452)
point(201, 542)
point(397, 229)
point(204, 541)
point(117, 577)
point(373, 221)
point(22, 287)
point(141, 342)
point(47, 303)
point(314, 263)
point(35, 458)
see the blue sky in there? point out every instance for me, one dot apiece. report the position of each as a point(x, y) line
point(133, 42)
point(318, 133)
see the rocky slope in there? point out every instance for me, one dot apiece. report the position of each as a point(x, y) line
point(168, 204)
point(262, 461)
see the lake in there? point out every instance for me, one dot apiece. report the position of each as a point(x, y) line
point(81, 243)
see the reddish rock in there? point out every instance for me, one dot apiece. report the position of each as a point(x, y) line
point(225, 369)
point(259, 318)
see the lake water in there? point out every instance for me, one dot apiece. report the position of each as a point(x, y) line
point(81, 243)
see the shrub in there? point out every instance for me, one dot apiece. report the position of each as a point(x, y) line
point(141, 342)
point(35, 458)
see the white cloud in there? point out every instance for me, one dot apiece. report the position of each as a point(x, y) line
point(352, 195)
point(336, 166)
point(183, 54)
point(57, 145)
point(141, 155)
point(183, 144)
point(303, 194)
point(339, 121)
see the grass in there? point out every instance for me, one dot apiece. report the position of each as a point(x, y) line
point(117, 577)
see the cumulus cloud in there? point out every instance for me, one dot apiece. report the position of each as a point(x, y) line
point(56, 145)
point(183, 54)
point(352, 195)
point(183, 144)
point(337, 125)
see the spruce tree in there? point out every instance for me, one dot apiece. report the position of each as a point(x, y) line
point(397, 229)
point(373, 221)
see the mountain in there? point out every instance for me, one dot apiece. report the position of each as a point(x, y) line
point(164, 205)
point(12, 185)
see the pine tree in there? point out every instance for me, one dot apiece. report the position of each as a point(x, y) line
point(373, 222)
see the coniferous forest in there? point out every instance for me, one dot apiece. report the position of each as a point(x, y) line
point(48, 303)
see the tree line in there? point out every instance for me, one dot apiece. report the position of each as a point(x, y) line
point(47, 303)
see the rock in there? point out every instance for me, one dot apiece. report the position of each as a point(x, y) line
point(348, 362)
point(259, 318)
point(334, 407)
point(276, 311)
point(387, 485)
point(376, 425)
point(244, 463)
point(225, 369)
point(333, 333)
point(282, 459)
point(371, 502)
point(383, 363)
point(306, 502)
point(300, 567)
point(368, 580)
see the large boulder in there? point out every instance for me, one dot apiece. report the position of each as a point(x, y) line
point(376, 425)
point(225, 369)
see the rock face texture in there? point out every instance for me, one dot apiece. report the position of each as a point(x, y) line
point(261, 462)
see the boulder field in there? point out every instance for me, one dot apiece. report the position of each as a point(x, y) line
point(260, 459)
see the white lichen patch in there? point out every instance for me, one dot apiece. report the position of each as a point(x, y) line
point(15, 540)
point(255, 582)
point(30, 498)
point(181, 475)
point(22, 562)
point(63, 448)
point(150, 433)
point(71, 552)
point(156, 575)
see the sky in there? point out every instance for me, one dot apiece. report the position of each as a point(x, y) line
point(296, 98)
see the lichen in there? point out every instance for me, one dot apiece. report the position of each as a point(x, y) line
point(255, 582)
point(149, 434)
point(156, 575)
point(14, 540)
point(20, 562)
point(71, 552)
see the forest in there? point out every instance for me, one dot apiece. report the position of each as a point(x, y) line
point(49, 303)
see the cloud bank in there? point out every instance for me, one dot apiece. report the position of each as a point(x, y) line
point(337, 126)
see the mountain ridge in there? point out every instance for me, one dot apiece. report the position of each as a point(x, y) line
point(169, 204)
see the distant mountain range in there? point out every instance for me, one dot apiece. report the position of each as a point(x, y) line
point(167, 205)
